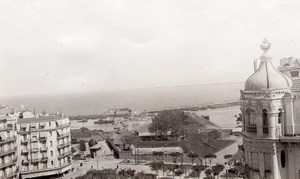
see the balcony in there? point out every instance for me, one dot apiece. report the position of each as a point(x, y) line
point(43, 139)
point(7, 151)
point(25, 162)
point(35, 139)
point(64, 135)
point(63, 145)
point(265, 130)
point(64, 154)
point(35, 149)
point(35, 160)
point(58, 126)
point(290, 134)
point(7, 140)
point(59, 170)
point(5, 128)
point(24, 151)
point(44, 159)
point(8, 163)
point(251, 129)
point(8, 175)
point(24, 141)
point(44, 149)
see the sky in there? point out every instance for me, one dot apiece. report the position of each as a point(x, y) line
point(71, 46)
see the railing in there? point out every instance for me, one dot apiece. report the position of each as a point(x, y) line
point(44, 149)
point(43, 139)
point(265, 130)
point(35, 149)
point(44, 158)
point(7, 150)
point(34, 139)
point(8, 139)
point(35, 160)
point(8, 175)
point(64, 135)
point(251, 129)
point(4, 164)
point(65, 154)
point(24, 151)
point(63, 145)
point(25, 140)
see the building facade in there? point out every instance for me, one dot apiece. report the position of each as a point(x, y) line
point(44, 146)
point(8, 150)
point(271, 122)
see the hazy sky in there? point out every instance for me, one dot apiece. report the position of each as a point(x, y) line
point(64, 46)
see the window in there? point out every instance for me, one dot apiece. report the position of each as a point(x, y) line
point(51, 153)
point(51, 162)
point(265, 117)
point(282, 157)
point(51, 144)
point(50, 133)
point(279, 116)
point(49, 123)
point(294, 73)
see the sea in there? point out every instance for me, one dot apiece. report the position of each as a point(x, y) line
point(143, 99)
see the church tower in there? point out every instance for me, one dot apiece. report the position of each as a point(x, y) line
point(270, 141)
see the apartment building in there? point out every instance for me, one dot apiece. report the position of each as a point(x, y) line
point(44, 146)
point(8, 149)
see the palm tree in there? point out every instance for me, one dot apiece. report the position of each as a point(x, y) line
point(217, 169)
point(192, 156)
point(210, 157)
point(156, 166)
point(175, 155)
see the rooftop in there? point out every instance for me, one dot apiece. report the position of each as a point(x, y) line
point(40, 119)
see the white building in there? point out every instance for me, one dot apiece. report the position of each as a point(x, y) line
point(44, 146)
point(271, 122)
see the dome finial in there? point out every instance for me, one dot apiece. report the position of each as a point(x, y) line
point(266, 45)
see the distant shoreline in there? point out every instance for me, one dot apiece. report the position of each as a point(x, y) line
point(191, 108)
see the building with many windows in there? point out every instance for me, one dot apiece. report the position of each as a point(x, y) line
point(8, 150)
point(44, 146)
point(270, 106)
point(33, 146)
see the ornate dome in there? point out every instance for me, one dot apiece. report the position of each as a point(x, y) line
point(266, 77)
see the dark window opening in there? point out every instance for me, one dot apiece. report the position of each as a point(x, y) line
point(282, 158)
point(279, 116)
point(294, 73)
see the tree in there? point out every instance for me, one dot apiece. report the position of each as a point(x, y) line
point(143, 175)
point(157, 154)
point(228, 157)
point(175, 155)
point(126, 173)
point(210, 157)
point(92, 143)
point(82, 146)
point(156, 166)
point(168, 120)
point(217, 169)
point(198, 169)
point(192, 156)
point(208, 173)
point(215, 134)
point(179, 172)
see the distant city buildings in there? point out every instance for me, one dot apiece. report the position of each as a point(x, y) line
point(270, 107)
point(34, 146)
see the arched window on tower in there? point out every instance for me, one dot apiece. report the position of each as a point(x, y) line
point(280, 116)
point(250, 120)
point(265, 121)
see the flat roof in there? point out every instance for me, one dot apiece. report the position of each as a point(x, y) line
point(39, 119)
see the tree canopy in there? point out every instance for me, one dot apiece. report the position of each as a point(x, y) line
point(169, 120)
